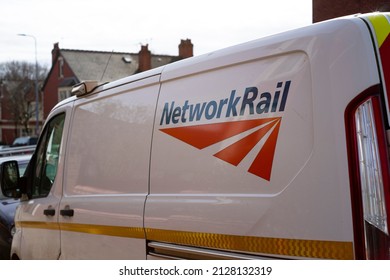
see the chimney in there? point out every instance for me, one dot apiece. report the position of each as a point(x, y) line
point(145, 59)
point(55, 53)
point(186, 49)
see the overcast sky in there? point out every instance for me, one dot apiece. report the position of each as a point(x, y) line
point(123, 25)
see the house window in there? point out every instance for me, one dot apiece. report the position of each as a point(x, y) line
point(64, 93)
point(32, 109)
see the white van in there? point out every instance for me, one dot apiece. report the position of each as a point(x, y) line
point(276, 148)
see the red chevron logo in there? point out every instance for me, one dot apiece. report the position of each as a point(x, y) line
point(205, 135)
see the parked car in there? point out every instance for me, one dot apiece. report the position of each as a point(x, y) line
point(8, 208)
point(25, 141)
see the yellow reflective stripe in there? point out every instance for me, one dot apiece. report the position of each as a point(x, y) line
point(129, 232)
point(381, 26)
point(39, 225)
point(263, 245)
point(252, 244)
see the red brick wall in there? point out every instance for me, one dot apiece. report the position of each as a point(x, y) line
point(327, 9)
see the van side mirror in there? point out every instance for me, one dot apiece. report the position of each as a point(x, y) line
point(10, 179)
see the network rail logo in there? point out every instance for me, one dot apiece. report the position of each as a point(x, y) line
point(248, 133)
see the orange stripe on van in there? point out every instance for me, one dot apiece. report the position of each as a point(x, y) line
point(205, 135)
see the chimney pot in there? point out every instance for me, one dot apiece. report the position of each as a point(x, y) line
point(55, 52)
point(186, 48)
point(145, 59)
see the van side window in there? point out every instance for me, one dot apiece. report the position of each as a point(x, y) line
point(47, 156)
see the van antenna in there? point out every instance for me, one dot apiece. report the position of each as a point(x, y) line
point(108, 61)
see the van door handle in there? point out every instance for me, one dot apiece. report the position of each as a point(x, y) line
point(49, 212)
point(67, 212)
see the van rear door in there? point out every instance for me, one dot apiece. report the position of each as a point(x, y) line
point(367, 125)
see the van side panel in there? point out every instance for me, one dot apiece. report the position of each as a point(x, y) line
point(249, 148)
point(106, 176)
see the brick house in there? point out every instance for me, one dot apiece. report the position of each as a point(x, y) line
point(70, 67)
point(327, 9)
